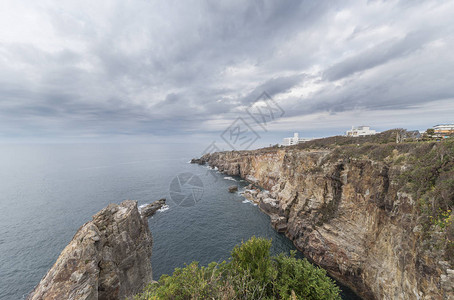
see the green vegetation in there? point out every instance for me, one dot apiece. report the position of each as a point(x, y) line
point(251, 273)
point(430, 179)
point(389, 136)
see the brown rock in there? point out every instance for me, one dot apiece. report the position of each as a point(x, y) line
point(151, 209)
point(233, 189)
point(108, 258)
point(279, 223)
point(269, 205)
point(349, 216)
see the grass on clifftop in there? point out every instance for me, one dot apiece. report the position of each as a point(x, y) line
point(251, 273)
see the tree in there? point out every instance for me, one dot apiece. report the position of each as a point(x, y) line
point(430, 131)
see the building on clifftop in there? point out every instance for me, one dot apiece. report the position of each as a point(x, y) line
point(294, 140)
point(360, 131)
point(444, 130)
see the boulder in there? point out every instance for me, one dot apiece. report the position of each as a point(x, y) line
point(233, 188)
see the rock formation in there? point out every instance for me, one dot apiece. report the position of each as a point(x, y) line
point(197, 161)
point(348, 216)
point(150, 209)
point(108, 258)
point(233, 188)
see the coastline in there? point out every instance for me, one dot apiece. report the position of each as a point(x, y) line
point(276, 222)
point(346, 215)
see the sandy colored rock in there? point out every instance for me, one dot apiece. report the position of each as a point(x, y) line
point(347, 216)
point(108, 258)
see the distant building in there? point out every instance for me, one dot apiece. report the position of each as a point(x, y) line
point(294, 140)
point(360, 131)
point(444, 129)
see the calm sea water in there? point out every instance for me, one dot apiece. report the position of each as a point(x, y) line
point(48, 191)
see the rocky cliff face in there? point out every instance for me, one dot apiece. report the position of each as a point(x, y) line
point(108, 258)
point(349, 216)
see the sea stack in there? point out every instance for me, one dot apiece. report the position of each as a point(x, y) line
point(108, 258)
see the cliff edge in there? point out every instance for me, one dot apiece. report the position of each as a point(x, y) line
point(377, 217)
point(108, 258)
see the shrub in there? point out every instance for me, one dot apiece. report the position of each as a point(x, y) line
point(299, 276)
point(253, 257)
point(251, 273)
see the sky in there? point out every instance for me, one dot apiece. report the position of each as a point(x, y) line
point(169, 70)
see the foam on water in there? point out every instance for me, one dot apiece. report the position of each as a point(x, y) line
point(163, 208)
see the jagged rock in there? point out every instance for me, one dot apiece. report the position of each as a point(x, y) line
point(199, 161)
point(233, 188)
point(279, 223)
point(349, 216)
point(108, 258)
point(151, 209)
point(269, 205)
point(251, 178)
point(251, 194)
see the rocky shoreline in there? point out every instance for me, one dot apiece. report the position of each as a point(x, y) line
point(108, 258)
point(347, 216)
point(267, 204)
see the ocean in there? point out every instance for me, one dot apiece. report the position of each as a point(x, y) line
point(47, 191)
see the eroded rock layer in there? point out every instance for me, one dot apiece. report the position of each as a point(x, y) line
point(108, 258)
point(348, 216)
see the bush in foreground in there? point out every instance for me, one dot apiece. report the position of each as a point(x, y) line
point(251, 273)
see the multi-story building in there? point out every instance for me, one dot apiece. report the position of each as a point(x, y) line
point(360, 131)
point(294, 140)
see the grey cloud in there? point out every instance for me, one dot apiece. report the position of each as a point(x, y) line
point(403, 86)
point(163, 67)
point(378, 55)
point(273, 87)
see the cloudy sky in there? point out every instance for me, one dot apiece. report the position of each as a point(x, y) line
point(100, 70)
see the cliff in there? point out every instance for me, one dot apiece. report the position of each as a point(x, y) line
point(108, 258)
point(349, 211)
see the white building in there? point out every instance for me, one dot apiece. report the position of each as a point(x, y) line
point(294, 140)
point(360, 131)
point(444, 129)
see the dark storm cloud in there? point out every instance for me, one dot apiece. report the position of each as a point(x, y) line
point(84, 67)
